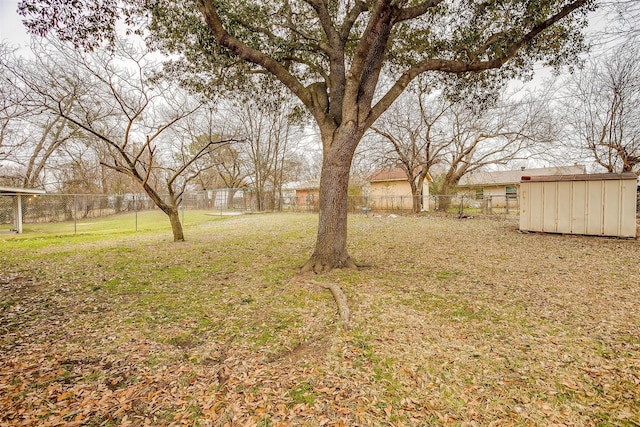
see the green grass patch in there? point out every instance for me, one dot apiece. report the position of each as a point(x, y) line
point(303, 393)
point(126, 223)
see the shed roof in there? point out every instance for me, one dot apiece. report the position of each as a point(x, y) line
point(306, 185)
point(390, 174)
point(582, 177)
point(16, 190)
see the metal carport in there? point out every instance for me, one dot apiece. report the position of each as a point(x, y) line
point(17, 194)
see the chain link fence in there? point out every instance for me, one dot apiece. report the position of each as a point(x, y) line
point(76, 213)
point(70, 212)
point(403, 205)
point(460, 204)
point(470, 205)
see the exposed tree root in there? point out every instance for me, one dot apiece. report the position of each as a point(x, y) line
point(320, 266)
point(340, 298)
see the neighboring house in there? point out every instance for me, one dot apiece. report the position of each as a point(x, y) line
point(307, 194)
point(389, 189)
point(503, 185)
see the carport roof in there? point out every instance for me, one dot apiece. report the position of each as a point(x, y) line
point(15, 190)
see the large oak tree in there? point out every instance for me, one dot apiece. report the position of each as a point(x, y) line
point(331, 54)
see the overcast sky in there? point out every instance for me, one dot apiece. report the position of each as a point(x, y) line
point(11, 28)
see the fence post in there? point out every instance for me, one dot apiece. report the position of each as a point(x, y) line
point(135, 209)
point(18, 214)
point(75, 214)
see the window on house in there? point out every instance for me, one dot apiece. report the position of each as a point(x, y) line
point(512, 191)
point(479, 193)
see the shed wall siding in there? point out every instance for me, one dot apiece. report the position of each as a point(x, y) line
point(597, 207)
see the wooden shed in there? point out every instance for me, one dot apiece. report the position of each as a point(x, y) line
point(590, 204)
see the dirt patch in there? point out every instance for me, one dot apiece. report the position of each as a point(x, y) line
point(17, 284)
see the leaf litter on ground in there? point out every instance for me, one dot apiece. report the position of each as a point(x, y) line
point(453, 323)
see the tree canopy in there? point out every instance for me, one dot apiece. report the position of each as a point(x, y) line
point(343, 44)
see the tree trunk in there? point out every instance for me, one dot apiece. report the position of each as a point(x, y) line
point(416, 193)
point(171, 209)
point(417, 203)
point(231, 192)
point(445, 202)
point(447, 191)
point(176, 226)
point(259, 203)
point(331, 245)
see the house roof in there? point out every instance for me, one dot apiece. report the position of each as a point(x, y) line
point(302, 185)
point(390, 174)
point(487, 178)
point(16, 190)
point(314, 184)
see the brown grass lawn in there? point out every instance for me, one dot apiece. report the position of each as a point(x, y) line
point(455, 322)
